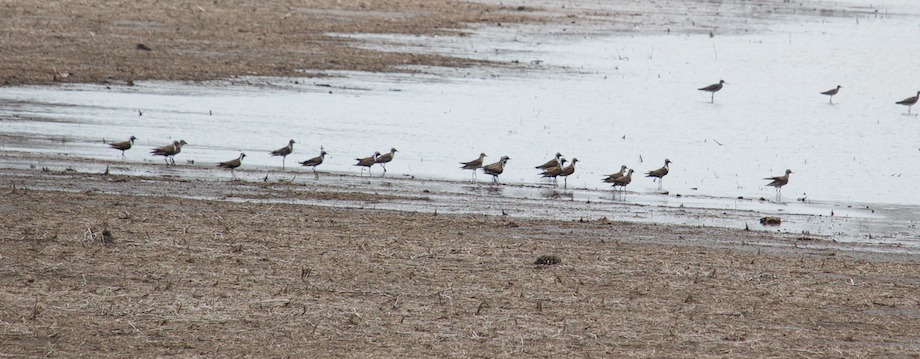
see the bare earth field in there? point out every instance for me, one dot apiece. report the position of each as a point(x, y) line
point(99, 41)
point(249, 272)
point(216, 269)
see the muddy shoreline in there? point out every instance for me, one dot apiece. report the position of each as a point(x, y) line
point(200, 40)
point(121, 265)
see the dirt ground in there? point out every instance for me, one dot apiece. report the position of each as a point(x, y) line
point(118, 41)
point(90, 274)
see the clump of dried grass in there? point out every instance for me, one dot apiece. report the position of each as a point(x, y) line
point(547, 259)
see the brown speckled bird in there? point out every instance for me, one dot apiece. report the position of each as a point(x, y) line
point(367, 162)
point(623, 181)
point(232, 164)
point(611, 177)
point(554, 172)
point(659, 173)
point(496, 168)
point(169, 152)
point(551, 163)
point(474, 164)
point(384, 159)
point(779, 182)
point(283, 152)
point(315, 161)
point(567, 171)
point(123, 145)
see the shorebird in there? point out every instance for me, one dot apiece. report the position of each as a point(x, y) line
point(232, 164)
point(367, 162)
point(551, 163)
point(831, 93)
point(123, 145)
point(474, 164)
point(610, 178)
point(384, 159)
point(315, 161)
point(283, 152)
point(714, 88)
point(623, 181)
point(554, 172)
point(568, 170)
point(659, 173)
point(779, 182)
point(169, 152)
point(909, 102)
point(496, 168)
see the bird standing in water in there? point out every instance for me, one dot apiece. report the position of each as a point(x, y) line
point(474, 164)
point(169, 152)
point(659, 173)
point(384, 159)
point(123, 145)
point(551, 163)
point(496, 168)
point(315, 161)
point(779, 182)
point(714, 88)
point(909, 102)
point(554, 172)
point(232, 164)
point(283, 152)
point(367, 162)
point(832, 92)
point(622, 182)
point(568, 170)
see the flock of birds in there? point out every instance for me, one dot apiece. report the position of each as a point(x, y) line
point(552, 169)
point(909, 102)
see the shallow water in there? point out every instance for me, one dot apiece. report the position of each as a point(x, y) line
point(606, 99)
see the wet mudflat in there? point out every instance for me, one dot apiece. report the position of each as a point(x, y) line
point(136, 265)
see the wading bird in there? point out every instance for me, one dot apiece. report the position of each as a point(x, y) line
point(169, 152)
point(779, 182)
point(659, 173)
point(611, 177)
point(568, 170)
point(123, 145)
point(551, 163)
point(622, 182)
point(496, 168)
point(283, 152)
point(315, 161)
point(232, 164)
point(554, 172)
point(832, 92)
point(384, 159)
point(714, 88)
point(909, 102)
point(474, 164)
point(367, 162)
